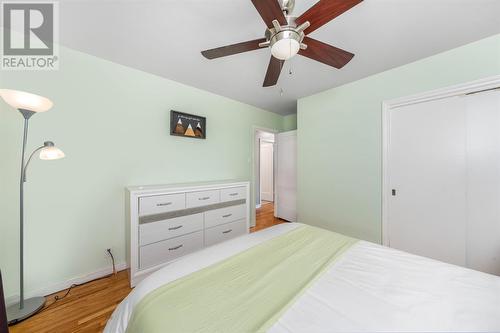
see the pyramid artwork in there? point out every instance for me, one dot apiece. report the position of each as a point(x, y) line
point(189, 131)
point(198, 132)
point(188, 125)
point(179, 129)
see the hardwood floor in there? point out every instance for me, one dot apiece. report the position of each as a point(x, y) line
point(264, 217)
point(87, 308)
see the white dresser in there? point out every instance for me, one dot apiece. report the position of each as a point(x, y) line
point(166, 222)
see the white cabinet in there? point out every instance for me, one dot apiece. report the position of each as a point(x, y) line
point(224, 232)
point(166, 250)
point(169, 221)
point(224, 215)
point(164, 229)
point(234, 193)
point(202, 198)
point(161, 203)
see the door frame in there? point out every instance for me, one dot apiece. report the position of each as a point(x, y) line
point(255, 151)
point(476, 86)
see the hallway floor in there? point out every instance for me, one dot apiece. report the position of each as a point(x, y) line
point(264, 217)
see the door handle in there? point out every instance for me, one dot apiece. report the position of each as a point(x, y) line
point(227, 231)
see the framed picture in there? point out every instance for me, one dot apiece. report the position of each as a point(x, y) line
point(188, 125)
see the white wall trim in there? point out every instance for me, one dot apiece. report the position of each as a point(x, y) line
point(455, 90)
point(66, 284)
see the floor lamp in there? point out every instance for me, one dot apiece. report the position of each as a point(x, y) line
point(28, 104)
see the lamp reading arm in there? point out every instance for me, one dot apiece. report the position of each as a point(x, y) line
point(28, 162)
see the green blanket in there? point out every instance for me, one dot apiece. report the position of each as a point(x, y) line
point(247, 292)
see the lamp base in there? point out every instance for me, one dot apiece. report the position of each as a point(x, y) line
point(31, 306)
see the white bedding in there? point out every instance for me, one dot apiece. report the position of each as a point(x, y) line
point(371, 288)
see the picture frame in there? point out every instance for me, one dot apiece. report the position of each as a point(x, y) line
point(188, 125)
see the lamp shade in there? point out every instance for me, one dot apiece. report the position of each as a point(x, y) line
point(51, 153)
point(26, 101)
point(285, 49)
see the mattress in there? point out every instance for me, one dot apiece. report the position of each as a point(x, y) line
point(370, 288)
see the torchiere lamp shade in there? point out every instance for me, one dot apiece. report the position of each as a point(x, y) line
point(25, 101)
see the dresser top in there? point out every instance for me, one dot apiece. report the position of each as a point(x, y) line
point(193, 185)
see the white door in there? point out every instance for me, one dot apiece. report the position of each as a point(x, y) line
point(483, 181)
point(266, 171)
point(427, 206)
point(444, 169)
point(286, 176)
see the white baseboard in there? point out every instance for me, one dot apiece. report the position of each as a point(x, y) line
point(258, 206)
point(66, 284)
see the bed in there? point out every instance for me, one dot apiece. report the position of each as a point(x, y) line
point(297, 278)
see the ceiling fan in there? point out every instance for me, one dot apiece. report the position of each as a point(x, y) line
point(286, 35)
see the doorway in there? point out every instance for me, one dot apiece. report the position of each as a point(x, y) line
point(265, 162)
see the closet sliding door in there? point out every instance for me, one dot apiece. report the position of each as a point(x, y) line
point(427, 207)
point(483, 181)
point(444, 176)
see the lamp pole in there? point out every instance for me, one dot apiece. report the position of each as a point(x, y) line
point(26, 114)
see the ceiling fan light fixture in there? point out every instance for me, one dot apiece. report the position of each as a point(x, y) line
point(285, 44)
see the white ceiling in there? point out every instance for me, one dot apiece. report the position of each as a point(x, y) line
point(166, 37)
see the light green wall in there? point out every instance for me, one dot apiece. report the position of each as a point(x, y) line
point(290, 122)
point(113, 124)
point(340, 134)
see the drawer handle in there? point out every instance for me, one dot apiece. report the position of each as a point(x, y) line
point(227, 215)
point(227, 231)
point(175, 248)
point(233, 194)
point(175, 228)
point(163, 204)
point(204, 198)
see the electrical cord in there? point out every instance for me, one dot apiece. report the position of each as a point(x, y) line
point(58, 298)
point(112, 260)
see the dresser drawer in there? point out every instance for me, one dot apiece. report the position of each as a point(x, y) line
point(224, 232)
point(165, 229)
point(164, 251)
point(161, 203)
point(224, 215)
point(233, 193)
point(203, 198)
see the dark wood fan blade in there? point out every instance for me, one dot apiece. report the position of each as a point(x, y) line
point(270, 10)
point(324, 11)
point(232, 49)
point(327, 54)
point(273, 72)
